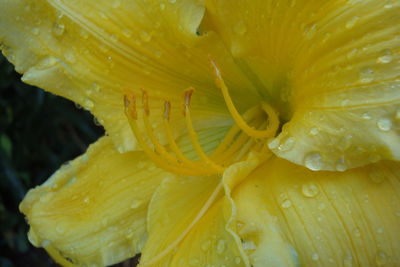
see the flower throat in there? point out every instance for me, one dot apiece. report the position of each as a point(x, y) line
point(249, 133)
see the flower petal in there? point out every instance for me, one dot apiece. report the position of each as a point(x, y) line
point(188, 212)
point(93, 210)
point(93, 51)
point(330, 67)
point(292, 216)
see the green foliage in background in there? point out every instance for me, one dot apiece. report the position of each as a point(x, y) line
point(38, 133)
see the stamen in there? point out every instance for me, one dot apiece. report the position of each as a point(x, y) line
point(149, 129)
point(193, 134)
point(171, 140)
point(130, 108)
point(272, 116)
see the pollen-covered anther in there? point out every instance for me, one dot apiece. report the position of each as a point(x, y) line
point(234, 147)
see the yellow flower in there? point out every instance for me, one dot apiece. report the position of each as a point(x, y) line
point(245, 133)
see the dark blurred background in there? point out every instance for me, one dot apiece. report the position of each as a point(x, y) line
point(38, 133)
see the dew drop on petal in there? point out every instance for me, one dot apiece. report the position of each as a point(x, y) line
point(145, 36)
point(341, 165)
point(45, 243)
point(35, 31)
point(313, 161)
point(286, 204)
point(350, 24)
point(376, 176)
point(348, 261)
point(357, 232)
point(367, 75)
point(314, 131)
point(238, 260)
point(240, 28)
point(381, 258)
point(135, 203)
point(315, 256)
point(88, 103)
point(310, 190)
point(58, 29)
point(287, 145)
point(385, 124)
point(221, 246)
point(206, 245)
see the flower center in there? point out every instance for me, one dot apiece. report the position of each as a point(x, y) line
point(249, 133)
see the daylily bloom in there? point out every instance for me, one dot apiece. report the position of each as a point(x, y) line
point(239, 133)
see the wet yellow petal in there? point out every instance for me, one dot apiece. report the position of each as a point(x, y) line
point(93, 210)
point(289, 215)
point(188, 213)
point(92, 51)
point(330, 67)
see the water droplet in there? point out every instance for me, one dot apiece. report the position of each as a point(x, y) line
point(348, 261)
point(96, 87)
point(341, 165)
point(313, 161)
point(287, 145)
point(127, 32)
point(86, 200)
point(376, 176)
point(366, 75)
point(172, 1)
point(397, 116)
point(286, 204)
point(350, 24)
point(381, 258)
point(366, 116)
point(379, 230)
point(240, 28)
point(384, 124)
point(58, 29)
point(357, 232)
point(135, 203)
point(385, 59)
point(238, 260)
point(162, 6)
point(45, 243)
point(70, 57)
point(206, 245)
point(88, 103)
point(315, 256)
point(249, 245)
point(145, 36)
point(60, 230)
point(116, 4)
point(221, 245)
point(352, 53)
point(194, 262)
point(388, 6)
point(273, 144)
point(321, 206)
point(35, 31)
point(310, 189)
point(310, 31)
point(314, 131)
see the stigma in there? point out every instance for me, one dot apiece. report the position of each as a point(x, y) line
point(248, 134)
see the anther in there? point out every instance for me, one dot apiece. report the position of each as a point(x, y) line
point(167, 110)
point(130, 106)
point(145, 102)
